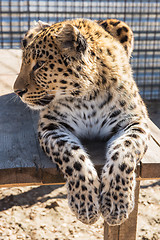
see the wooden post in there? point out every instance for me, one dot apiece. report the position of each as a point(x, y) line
point(126, 230)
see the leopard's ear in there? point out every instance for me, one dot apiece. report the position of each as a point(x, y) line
point(71, 41)
point(41, 25)
point(121, 31)
point(38, 26)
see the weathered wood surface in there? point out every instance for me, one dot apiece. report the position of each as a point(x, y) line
point(22, 162)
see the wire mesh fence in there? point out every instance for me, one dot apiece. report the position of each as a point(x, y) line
point(143, 16)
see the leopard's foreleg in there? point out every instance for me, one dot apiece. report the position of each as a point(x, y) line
point(65, 149)
point(123, 153)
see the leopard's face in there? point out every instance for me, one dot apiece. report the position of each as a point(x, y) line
point(47, 71)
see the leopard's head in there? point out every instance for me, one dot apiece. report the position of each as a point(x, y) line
point(52, 64)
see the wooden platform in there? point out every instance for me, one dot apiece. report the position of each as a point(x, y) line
point(22, 162)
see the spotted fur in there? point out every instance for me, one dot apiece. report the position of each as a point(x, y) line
point(77, 73)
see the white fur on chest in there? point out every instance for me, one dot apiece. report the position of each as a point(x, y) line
point(87, 117)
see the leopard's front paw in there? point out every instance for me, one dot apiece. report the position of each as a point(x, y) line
point(117, 199)
point(83, 198)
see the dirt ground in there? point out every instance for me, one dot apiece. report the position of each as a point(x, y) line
point(42, 212)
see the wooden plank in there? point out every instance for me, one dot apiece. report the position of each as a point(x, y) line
point(126, 230)
point(21, 158)
point(150, 165)
point(23, 162)
point(30, 176)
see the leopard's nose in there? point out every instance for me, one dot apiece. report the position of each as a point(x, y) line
point(20, 93)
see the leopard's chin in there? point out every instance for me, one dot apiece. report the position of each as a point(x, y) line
point(35, 107)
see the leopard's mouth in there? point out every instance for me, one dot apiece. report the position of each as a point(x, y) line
point(40, 103)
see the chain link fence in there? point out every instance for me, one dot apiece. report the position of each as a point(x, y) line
point(17, 16)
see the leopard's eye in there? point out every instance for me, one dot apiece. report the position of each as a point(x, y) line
point(38, 65)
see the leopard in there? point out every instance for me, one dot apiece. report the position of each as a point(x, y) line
point(77, 74)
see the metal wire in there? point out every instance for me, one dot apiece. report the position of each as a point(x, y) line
point(17, 16)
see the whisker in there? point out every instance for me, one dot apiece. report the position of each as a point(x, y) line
point(13, 98)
